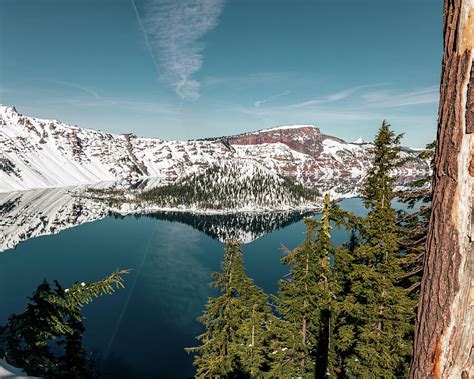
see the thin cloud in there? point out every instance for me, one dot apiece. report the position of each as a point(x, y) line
point(392, 99)
point(80, 87)
point(365, 108)
point(258, 103)
point(147, 42)
point(50, 97)
point(173, 30)
point(115, 103)
point(281, 115)
point(259, 78)
point(336, 95)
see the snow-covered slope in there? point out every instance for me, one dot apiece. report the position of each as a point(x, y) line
point(36, 153)
point(29, 214)
point(8, 371)
point(316, 160)
point(231, 185)
point(39, 153)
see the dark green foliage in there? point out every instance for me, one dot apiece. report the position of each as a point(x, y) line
point(301, 344)
point(227, 186)
point(46, 339)
point(105, 191)
point(374, 322)
point(414, 225)
point(113, 197)
point(76, 359)
point(237, 322)
point(351, 318)
point(26, 336)
point(82, 293)
point(377, 191)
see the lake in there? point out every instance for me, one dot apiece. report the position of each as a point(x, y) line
point(141, 331)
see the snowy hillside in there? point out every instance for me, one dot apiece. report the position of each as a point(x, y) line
point(36, 153)
point(235, 185)
point(29, 214)
point(39, 153)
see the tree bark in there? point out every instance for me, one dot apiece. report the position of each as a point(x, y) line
point(443, 330)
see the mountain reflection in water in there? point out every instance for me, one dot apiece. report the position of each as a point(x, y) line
point(29, 214)
point(141, 331)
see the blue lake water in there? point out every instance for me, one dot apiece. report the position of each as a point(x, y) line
point(141, 331)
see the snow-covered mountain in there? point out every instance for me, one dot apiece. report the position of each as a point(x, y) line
point(37, 153)
point(56, 159)
point(231, 185)
point(360, 141)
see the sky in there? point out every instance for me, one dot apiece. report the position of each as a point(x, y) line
point(199, 68)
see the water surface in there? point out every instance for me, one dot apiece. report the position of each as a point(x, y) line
point(141, 331)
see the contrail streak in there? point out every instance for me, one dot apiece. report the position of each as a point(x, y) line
point(127, 301)
point(146, 38)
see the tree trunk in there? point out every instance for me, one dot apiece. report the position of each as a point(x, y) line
point(443, 331)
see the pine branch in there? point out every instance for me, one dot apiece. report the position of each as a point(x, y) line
point(82, 293)
point(411, 273)
point(413, 287)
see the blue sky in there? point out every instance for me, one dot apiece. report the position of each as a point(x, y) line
point(190, 69)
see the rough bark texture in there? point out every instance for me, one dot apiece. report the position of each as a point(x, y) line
point(470, 106)
point(443, 332)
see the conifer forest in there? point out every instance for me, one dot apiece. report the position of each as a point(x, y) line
point(227, 189)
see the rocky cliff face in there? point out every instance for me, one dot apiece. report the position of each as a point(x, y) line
point(38, 153)
point(302, 153)
point(305, 139)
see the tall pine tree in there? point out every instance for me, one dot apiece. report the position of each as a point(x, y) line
point(376, 313)
point(302, 341)
point(237, 322)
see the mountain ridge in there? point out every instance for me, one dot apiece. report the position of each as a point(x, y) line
point(42, 153)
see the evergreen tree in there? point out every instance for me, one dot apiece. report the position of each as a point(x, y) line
point(375, 313)
point(414, 225)
point(75, 361)
point(237, 323)
point(325, 283)
point(46, 339)
point(25, 337)
point(343, 257)
point(301, 343)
